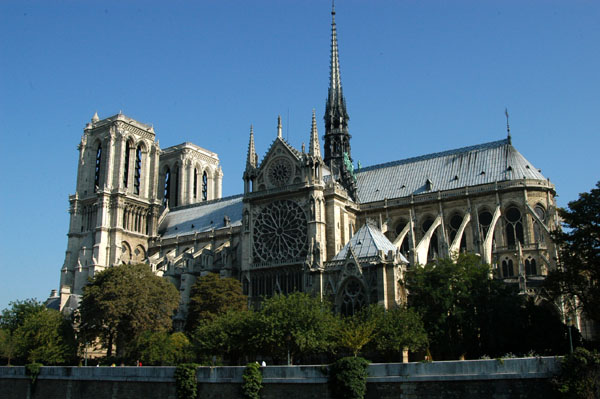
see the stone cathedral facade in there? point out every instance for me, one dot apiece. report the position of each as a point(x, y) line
point(308, 219)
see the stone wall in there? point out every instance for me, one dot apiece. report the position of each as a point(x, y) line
point(502, 379)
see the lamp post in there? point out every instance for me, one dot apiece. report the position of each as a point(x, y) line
point(288, 338)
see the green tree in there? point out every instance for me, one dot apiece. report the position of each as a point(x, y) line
point(231, 335)
point(122, 302)
point(46, 337)
point(358, 330)
point(298, 324)
point(212, 296)
point(8, 345)
point(578, 276)
point(399, 328)
point(14, 316)
point(162, 349)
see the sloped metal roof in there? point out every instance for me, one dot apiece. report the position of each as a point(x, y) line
point(202, 217)
point(367, 242)
point(469, 166)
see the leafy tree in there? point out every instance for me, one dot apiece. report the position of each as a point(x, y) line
point(358, 330)
point(8, 345)
point(162, 349)
point(230, 335)
point(121, 302)
point(31, 332)
point(298, 324)
point(46, 337)
point(578, 276)
point(348, 378)
point(14, 316)
point(399, 328)
point(579, 376)
point(212, 296)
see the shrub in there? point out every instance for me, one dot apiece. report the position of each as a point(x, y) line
point(348, 378)
point(185, 381)
point(252, 381)
point(33, 370)
point(580, 375)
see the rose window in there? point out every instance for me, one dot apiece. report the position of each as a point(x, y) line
point(280, 172)
point(280, 233)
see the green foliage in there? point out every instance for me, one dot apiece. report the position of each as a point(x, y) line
point(252, 381)
point(348, 378)
point(212, 296)
point(297, 322)
point(33, 370)
point(400, 328)
point(8, 345)
point(186, 381)
point(466, 313)
point(124, 301)
point(161, 348)
point(580, 375)
point(578, 276)
point(358, 330)
point(231, 335)
point(14, 316)
point(45, 336)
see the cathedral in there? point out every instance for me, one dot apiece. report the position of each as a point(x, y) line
point(308, 219)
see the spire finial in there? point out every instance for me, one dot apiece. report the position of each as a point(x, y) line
point(252, 159)
point(332, 7)
point(95, 118)
point(507, 126)
point(314, 148)
point(279, 126)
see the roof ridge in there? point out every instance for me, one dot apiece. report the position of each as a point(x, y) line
point(488, 145)
point(203, 203)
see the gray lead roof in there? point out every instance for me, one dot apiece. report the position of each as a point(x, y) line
point(366, 243)
point(469, 166)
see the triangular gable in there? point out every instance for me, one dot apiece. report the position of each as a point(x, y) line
point(367, 242)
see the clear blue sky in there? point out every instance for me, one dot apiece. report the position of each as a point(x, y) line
point(418, 76)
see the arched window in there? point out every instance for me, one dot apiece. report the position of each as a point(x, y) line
point(538, 232)
point(404, 246)
point(353, 297)
point(138, 170)
point(530, 267)
point(98, 165)
point(167, 188)
point(507, 268)
point(195, 183)
point(485, 220)
point(514, 227)
point(204, 186)
point(126, 166)
point(432, 253)
point(453, 227)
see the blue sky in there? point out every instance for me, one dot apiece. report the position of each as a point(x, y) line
point(418, 76)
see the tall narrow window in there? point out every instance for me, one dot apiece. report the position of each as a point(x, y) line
point(485, 220)
point(514, 227)
point(138, 170)
point(507, 268)
point(204, 186)
point(530, 267)
point(126, 170)
point(98, 165)
point(167, 189)
point(195, 183)
point(176, 185)
point(538, 231)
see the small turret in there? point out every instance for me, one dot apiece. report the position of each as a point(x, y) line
point(314, 148)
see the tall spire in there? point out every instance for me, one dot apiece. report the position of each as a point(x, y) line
point(279, 126)
point(314, 148)
point(251, 161)
point(507, 126)
point(337, 138)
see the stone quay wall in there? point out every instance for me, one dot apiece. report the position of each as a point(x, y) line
point(500, 379)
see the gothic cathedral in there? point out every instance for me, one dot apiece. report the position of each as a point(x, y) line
point(308, 220)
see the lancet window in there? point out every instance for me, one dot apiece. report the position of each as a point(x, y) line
point(204, 186)
point(538, 231)
point(507, 268)
point(126, 166)
point(353, 297)
point(453, 227)
point(514, 227)
point(167, 187)
point(138, 170)
point(98, 166)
